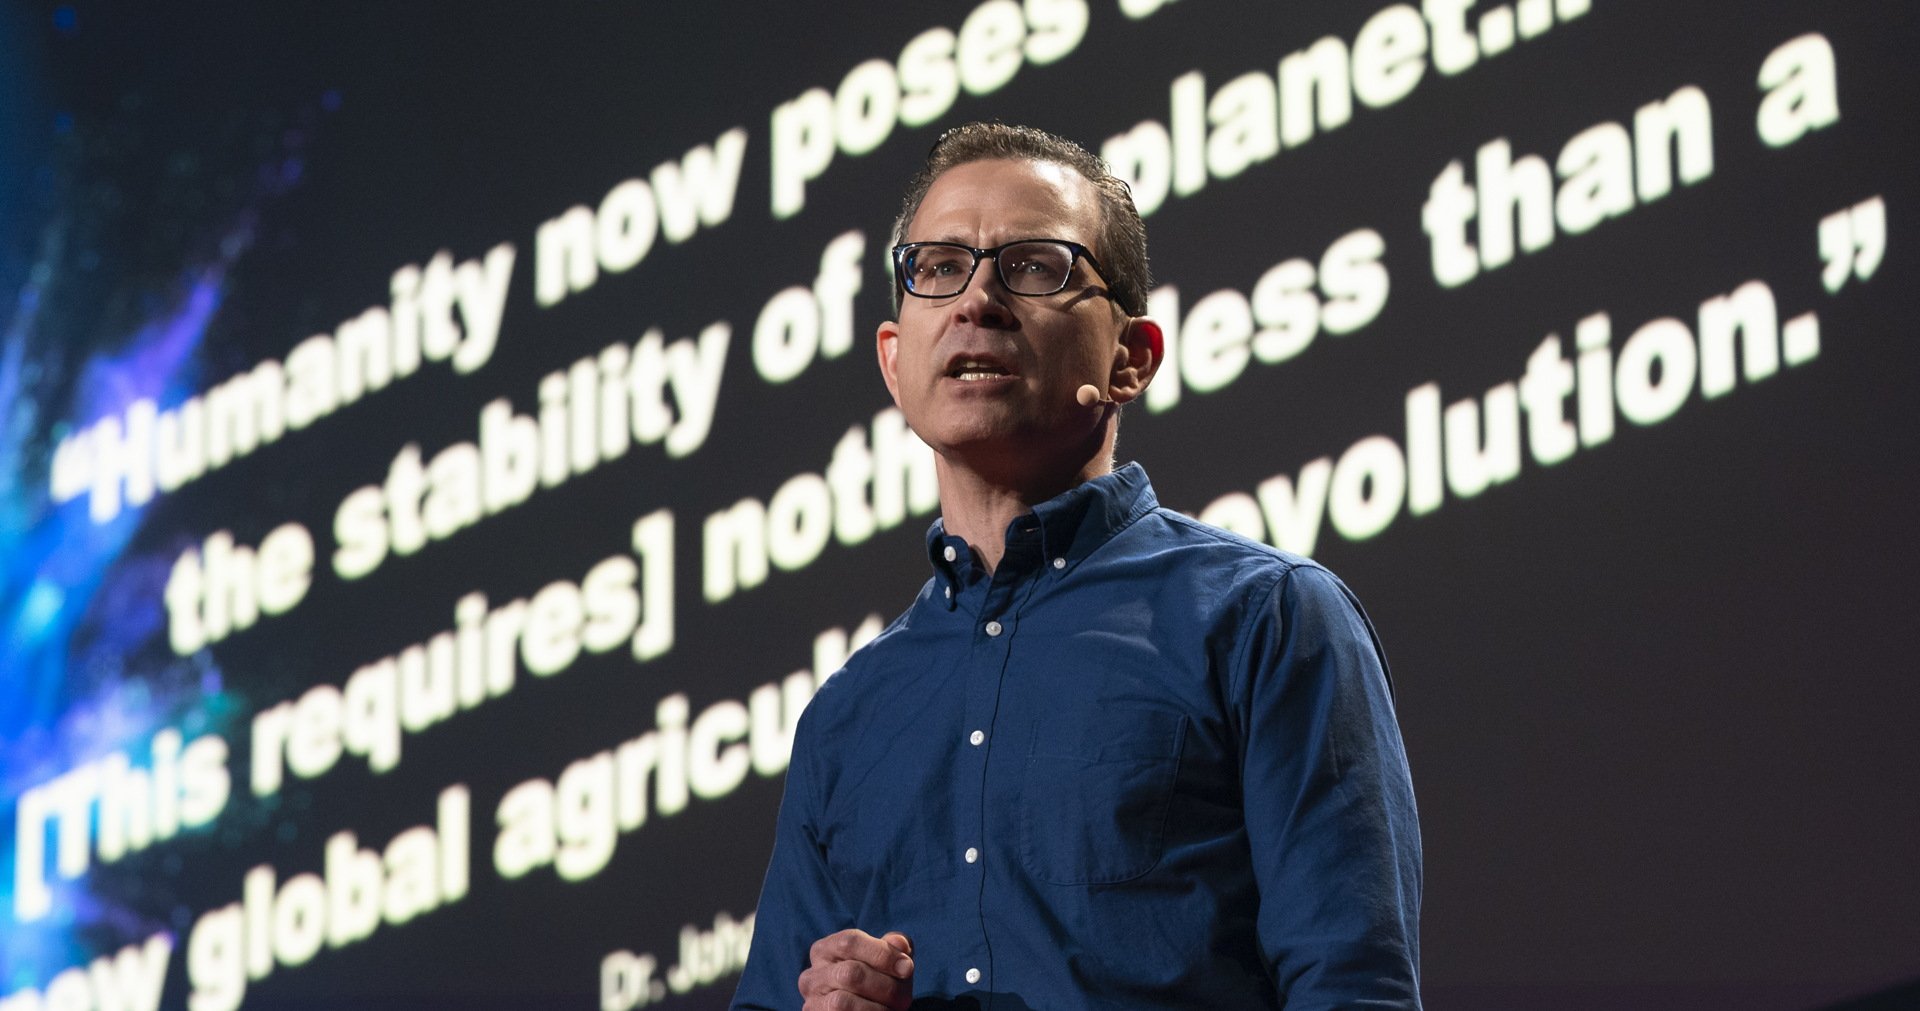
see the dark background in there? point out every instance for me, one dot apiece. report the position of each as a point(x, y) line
point(1655, 696)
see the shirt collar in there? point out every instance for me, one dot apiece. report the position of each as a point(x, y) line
point(1070, 526)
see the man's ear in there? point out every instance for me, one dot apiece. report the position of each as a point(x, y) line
point(886, 347)
point(1136, 359)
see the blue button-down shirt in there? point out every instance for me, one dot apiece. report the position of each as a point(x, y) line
point(1144, 763)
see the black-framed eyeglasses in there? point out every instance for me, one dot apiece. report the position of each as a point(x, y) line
point(1026, 267)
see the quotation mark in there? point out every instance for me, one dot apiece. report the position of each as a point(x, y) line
point(1852, 242)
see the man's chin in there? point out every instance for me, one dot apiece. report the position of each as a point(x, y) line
point(990, 448)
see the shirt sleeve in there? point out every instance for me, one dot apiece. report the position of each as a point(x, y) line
point(798, 902)
point(1329, 803)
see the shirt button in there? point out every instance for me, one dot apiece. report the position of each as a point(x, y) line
point(1059, 563)
point(951, 554)
point(973, 855)
point(975, 738)
point(949, 593)
point(993, 628)
point(973, 975)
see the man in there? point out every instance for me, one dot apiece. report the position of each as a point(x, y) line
point(1110, 757)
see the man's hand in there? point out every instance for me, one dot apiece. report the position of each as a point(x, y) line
point(856, 970)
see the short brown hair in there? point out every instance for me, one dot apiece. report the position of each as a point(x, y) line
point(1123, 236)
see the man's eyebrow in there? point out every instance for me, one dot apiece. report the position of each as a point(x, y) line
point(960, 239)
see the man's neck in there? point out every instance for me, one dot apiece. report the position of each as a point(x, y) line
point(977, 507)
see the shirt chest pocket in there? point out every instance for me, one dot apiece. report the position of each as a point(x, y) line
point(1095, 794)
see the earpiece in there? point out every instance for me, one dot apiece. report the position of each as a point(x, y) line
point(1089, 395)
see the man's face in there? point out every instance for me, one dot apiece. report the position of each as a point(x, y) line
point(987, 374)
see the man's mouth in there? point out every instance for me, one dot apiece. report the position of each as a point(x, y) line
point(971, 370)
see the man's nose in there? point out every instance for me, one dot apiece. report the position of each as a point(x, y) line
point(985, 301)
